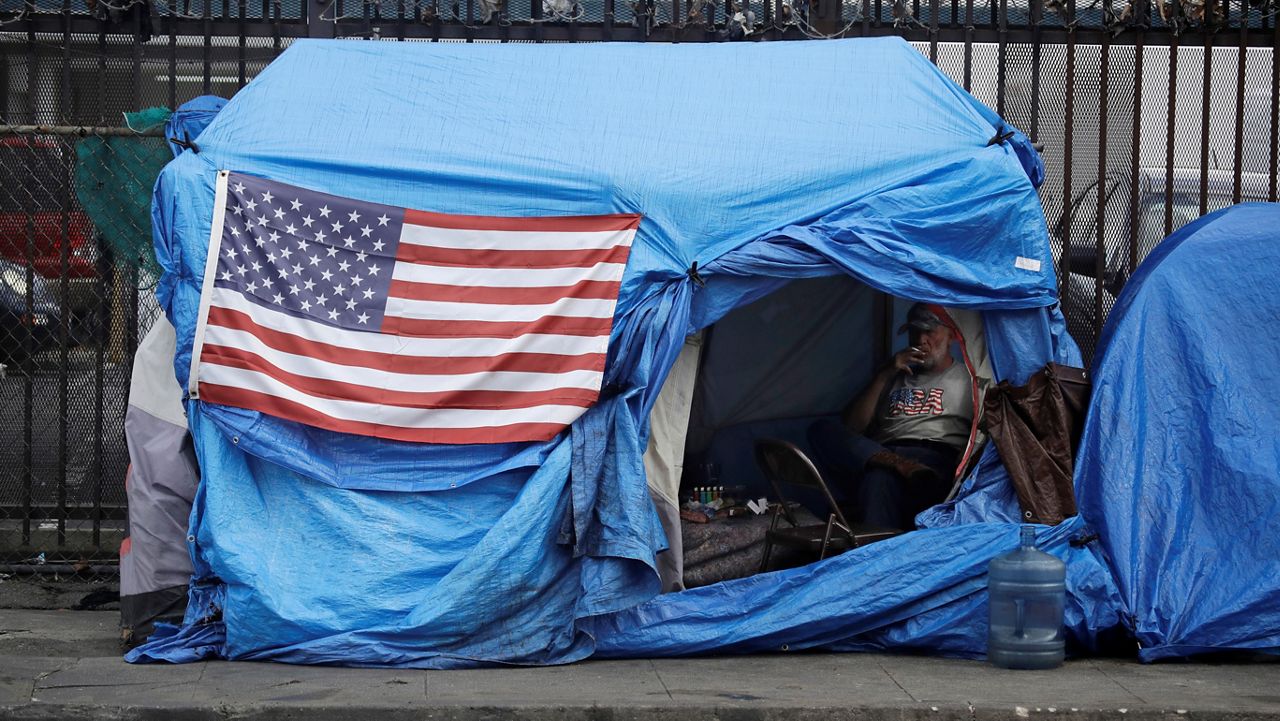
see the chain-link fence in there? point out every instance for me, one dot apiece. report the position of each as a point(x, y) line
point(75, 297)
point(1149, 115)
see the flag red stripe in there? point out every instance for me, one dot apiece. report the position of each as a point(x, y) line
point(281, 408)
point(426, 365)
point(586, 290)
point(547, 325)
point(340, 390)
point(495, 258)
point(565, 224)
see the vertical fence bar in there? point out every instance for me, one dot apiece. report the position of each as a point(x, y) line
point(1037, 18)
point(99, 355)
point(275, 28)
point(135, 64)
point(6, 93)
point(1002, 53)
point(99, 429)
point(131, 320)
point(1135, 139)
point(242, 75)
point(866, 17)
point(1100, 224)
point(206, 82)
point(400, 17)
point(102, 73)
point(1206, 97)
point(28, 385)
point(1274, 140)
point(1241, 57)
point(934, 10)
point(173, 53)
point(968, 45)
point(1170, 125)
point(65, 115)
point(1067, 153)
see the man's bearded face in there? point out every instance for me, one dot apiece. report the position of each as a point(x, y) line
point(935, 344)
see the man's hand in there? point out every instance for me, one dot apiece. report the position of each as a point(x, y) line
point(857, 415)
point(904, 359)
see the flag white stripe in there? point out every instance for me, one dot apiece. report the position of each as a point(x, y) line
point(442, 310)
point(388, 415)
point(505, 277)
point(403, 345)
point(389, 380)
point(466, 239)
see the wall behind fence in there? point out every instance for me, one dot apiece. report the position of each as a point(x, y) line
point(1149, 115)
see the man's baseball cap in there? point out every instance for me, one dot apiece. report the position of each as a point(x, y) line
point(920, 317)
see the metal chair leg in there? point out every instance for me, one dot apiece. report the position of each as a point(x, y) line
point(826, 537)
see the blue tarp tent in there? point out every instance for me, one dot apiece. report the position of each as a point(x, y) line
point(1178, 463)
point(801, 160)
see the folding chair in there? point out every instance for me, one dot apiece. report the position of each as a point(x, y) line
point(785, 464)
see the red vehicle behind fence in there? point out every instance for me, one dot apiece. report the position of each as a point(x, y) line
point(34, 182)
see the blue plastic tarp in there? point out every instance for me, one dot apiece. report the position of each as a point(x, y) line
point(1178, 464)
point(314, 547)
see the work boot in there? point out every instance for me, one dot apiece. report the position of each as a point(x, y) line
point(905, 468)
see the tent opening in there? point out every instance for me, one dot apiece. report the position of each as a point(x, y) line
point(769, 369)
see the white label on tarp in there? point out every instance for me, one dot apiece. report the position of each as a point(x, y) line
point(1027, 264)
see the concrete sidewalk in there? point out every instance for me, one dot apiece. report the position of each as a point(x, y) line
point(63, 664)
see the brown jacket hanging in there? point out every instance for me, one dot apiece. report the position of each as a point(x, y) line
point(1036, 428)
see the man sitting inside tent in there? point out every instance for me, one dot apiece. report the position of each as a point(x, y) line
point(904, 434)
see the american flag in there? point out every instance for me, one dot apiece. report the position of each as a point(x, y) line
point(403, 324)
point(915, 402)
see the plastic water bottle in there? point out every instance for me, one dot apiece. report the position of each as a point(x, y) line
point(1027, 590)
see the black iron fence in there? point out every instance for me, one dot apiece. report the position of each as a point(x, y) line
point(1149, 114)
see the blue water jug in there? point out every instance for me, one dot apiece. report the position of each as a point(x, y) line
point(1027, 590)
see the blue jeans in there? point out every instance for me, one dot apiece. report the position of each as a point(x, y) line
point(882, 497)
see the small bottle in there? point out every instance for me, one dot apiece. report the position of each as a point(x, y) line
point(1027, 593)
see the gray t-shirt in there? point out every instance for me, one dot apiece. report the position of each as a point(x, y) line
point(934, 407)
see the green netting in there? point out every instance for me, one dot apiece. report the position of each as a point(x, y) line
point(114, 179)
